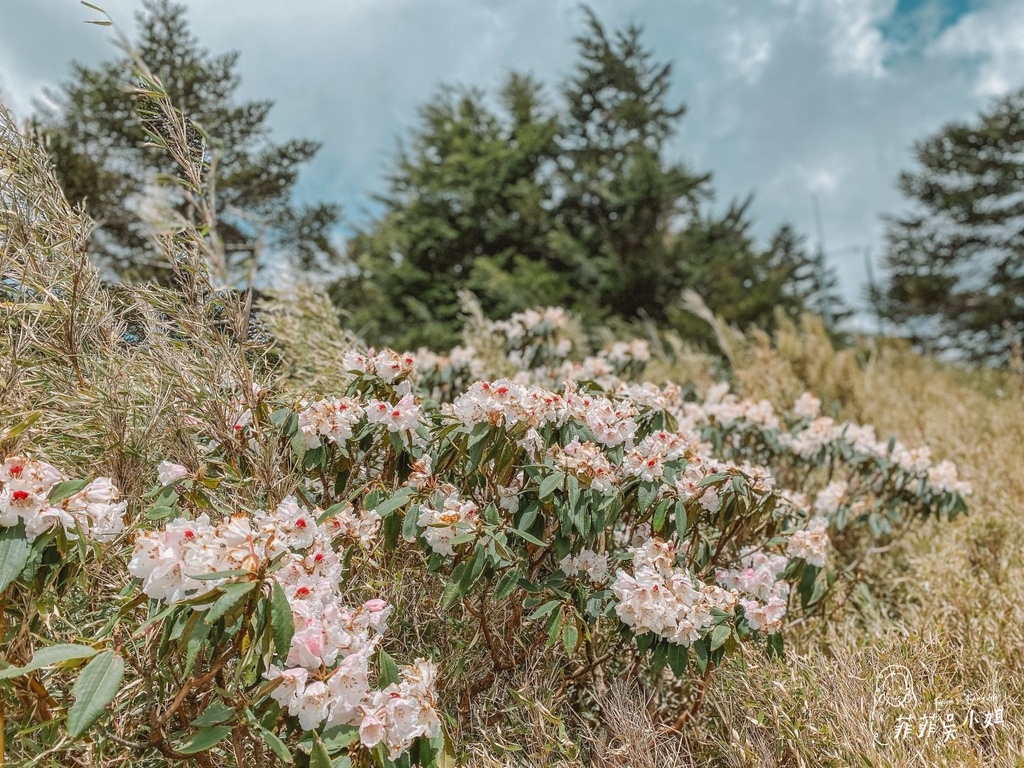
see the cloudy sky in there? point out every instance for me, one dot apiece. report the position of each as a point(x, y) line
point(787, 99)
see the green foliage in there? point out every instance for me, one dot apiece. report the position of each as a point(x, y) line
point(956, 262)
point(526, 201)
point(98, 141)
point(95, 688)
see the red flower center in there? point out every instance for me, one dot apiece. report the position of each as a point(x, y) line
point(20, 495)
point(301, 523)
point(302, 592)
point(16, 470)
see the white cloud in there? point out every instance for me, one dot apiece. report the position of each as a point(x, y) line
point(993, 37)
point(851, 27)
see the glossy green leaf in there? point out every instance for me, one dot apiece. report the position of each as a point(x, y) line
point(51, 654)
point(95, 688)
point(65, 490)
point(14, 554)
point(282, 623)
point(318, 756)
point(233, 595)
point(277, 746)
point(205, 738)
point(549, 484)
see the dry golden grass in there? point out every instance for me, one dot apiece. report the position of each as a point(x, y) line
point(950, 613)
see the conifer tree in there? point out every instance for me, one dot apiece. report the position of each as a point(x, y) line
point(955, 261)
point(526, 202)
point(97, 142)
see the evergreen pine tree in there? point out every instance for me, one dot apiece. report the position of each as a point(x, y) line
point(955, 262)
point(96, 140)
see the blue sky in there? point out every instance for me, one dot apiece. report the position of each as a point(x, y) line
point(787, 99)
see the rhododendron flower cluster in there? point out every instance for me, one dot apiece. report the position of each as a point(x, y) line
point(403, 416)
point(326, 672)
point(666, 600)
point(766, 595)
point(387, 364)
point(831, 497)
point(811, 543)
point(588, 562)
point(402, 712)
point(168, 473)
point(606, 451)
point(587, 462)
point(456, 516)
point(331, 418)
point(25, 488)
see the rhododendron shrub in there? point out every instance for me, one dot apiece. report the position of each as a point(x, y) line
point(609, 522)
point(566, 507)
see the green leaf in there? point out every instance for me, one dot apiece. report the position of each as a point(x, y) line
point(570, 636)
point(65, 490)
point(282, 623)
point(506, 584)
point(680, 519)
point(544, 610)
point(549, 484)
point(528, 537)
point(205, 739)
point(450, 595)
point(14, 554)
point(807, 583)
point(400, 499)
point(96, 687)
point(388, 669)
point(775, 645)
point(480, 431)
point(702, 654)
point(410, 524)
point(719, 635)
point(298, 444)
point(340, 736)
point(51, 654)
point(554, 629)
point(277, 746)
point(660, 514)
point(215, 714)
point(233, 595)
point(17, 429)
point(318, 756)
point(678, 656)
point(645, 495)
point(159, 513)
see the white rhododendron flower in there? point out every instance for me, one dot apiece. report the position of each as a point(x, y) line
point(95, 511)
point(398, 417)
point(402, 712)
point(812, 543)
point(331, 418)
point(945, 477)
point(664, 599)
point(168, 472)
point(592, 564)
point(456, 516)
point(807, 406)
point(831, 497)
